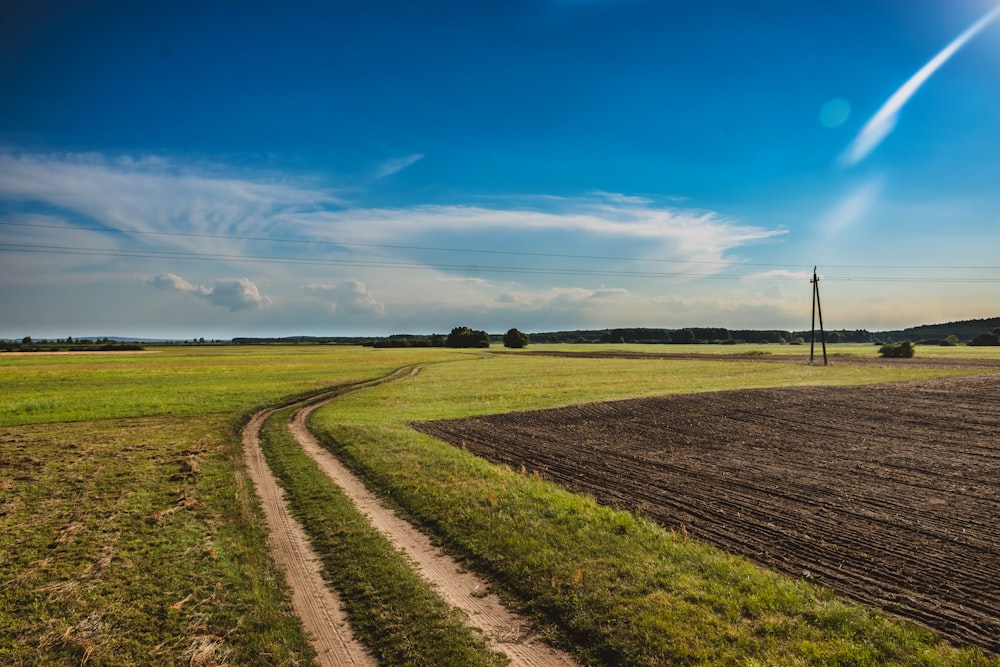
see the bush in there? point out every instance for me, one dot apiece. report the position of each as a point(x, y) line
point(515, 339)
point(902, 350)
point(950, 341)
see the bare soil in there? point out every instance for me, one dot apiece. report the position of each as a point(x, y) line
point(839, 359)
point(889, 494)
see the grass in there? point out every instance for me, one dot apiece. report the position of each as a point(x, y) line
point(621, 589)
point(129, 532)
point(134, 541)
point(394, 611)
point(180, 381)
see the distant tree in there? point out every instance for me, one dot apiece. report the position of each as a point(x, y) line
point(950, 341)
point(515, 339)
point(683, 336)
point(986, 338)
point(26, 340)
point(466, 337)
point(437, 340)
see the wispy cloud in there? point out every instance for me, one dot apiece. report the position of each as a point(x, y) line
point(370, 267)
point(154, 194)
point(619, 198)
point(681, 234)
point(195, 208)
point(397, 164)
point(884, 120)
point(780, 274)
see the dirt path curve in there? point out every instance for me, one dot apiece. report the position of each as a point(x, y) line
point(319, 606)
point(506, 632)
point(316, 604)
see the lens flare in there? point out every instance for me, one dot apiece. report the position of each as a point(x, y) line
point(835, 113)
point(882, 123)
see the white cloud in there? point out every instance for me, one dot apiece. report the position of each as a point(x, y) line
point(175, 282)
point(167, 206)
point(349, 298)
point(154, 196)
point(681, 234)
point(348, 255)
point(619, 198)
point(239, 294)
point(236, 295)
point(780, 274)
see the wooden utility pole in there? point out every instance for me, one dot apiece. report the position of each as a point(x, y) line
point(816, 309)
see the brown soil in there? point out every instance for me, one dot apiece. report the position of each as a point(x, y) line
point(765, 356)
point(889, 494)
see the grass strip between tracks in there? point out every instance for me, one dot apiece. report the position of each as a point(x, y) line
point(395, 612)
point(623, 590)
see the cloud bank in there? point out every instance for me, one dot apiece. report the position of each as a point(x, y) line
point(331, 263)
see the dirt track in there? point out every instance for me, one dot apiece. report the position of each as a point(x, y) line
point(315, 603)
point(318, 606)
point(889, 494)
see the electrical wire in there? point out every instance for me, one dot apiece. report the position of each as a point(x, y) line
point(550, 255)
point(272, 259)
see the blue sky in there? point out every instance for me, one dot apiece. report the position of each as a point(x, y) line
point(220, 169)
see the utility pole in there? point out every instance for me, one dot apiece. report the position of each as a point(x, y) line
point(816, 309)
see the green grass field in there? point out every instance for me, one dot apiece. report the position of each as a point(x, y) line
point(128, 530)
point(619, 589)
point(129, 533)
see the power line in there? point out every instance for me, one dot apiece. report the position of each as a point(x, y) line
point(551, 255)
point(270, 259)
point(390, 246)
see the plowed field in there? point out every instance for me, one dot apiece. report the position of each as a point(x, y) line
point(889, 494)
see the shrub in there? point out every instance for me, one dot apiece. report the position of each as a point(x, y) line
point(902, 350)
point(514, 338)
point(950, 341)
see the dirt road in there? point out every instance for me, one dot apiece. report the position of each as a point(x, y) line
point(318, 606)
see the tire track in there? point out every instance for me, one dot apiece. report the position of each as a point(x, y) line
point(505, 631)
point(315, 603)
point(318, 606)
